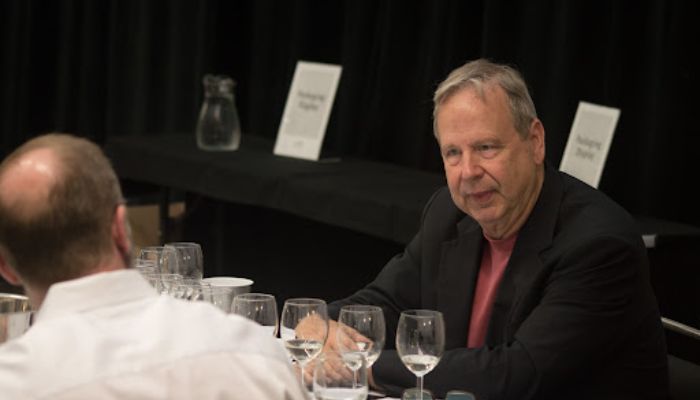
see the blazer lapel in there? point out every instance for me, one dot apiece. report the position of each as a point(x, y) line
point(459, 267)
point(525, 263)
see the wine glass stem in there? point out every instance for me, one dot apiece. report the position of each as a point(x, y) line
point(301, 368)
point(420, 387)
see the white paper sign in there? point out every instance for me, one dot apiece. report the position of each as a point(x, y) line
point(307, 110)
point(589, 141)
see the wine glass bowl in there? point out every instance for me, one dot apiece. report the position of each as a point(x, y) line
point(190, 262)
point(220, 296)
point(420, 341)
point(259, 307)
point(361, 329)
point(164, 259)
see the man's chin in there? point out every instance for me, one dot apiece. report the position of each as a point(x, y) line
point(484, 215)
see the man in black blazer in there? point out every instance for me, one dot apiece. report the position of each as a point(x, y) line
point(542, 280)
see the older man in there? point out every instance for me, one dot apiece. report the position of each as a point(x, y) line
point(101, 332)
point(542, 280)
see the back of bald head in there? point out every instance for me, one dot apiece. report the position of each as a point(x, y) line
point(58, 195)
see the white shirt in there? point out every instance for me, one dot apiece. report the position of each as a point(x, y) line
point(110, 336)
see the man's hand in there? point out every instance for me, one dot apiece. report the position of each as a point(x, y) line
point(343, 338)
point(313, 327)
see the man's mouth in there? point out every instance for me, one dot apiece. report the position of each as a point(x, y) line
point(481, 197)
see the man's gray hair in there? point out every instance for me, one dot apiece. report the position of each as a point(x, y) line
point(480, 73)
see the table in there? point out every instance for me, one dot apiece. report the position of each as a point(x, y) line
point(379, 199)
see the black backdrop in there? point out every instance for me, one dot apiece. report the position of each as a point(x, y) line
point(103, 68)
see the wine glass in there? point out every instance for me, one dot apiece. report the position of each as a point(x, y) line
point(304, 329)
point(420, 341)
point(171, 284)
point(192, 289)
point(220, 296)
point(340, 376)
point(145, 267)
point(164, 259)
point(190, 262)
point(361, 329)
point(259, 307)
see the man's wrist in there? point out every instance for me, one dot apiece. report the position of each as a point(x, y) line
point(372, 383)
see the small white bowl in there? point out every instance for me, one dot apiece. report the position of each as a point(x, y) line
point(240, 285)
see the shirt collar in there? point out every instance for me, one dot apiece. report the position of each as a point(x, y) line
point(94, 291)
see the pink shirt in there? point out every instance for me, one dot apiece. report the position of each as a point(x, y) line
point(493, 264)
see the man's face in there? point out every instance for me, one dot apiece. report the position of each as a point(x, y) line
point(493, 173)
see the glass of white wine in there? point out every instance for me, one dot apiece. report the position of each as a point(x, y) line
point(361, 329)
point(420, 341)
point(304, 329)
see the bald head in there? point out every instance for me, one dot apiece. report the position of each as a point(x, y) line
point(25, 183)
point(58, 197)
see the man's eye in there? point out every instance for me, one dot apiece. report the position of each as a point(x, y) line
point(451, 153)
point(487, 150)
point(451, 156)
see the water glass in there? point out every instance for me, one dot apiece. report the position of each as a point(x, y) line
point(459, 395)
point(337, 378)
point(417, 394)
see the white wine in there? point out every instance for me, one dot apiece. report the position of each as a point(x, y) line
point(372, 354)
point(303, 350)
point(420, 364)
point(367, 349)
point(353, 359)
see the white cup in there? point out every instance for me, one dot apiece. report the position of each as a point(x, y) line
point(235, 285)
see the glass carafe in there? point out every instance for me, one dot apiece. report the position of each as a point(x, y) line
point(218, 127)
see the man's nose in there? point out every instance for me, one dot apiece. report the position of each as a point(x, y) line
point(471, 167)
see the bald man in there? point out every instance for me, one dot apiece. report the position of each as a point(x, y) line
point(100, 330)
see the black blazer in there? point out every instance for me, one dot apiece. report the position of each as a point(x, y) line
point(574, 318)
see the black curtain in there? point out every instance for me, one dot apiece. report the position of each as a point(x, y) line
point(104, 68)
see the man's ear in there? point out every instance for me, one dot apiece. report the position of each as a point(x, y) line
point(7, 272)
point(120, 230)
point(537, 140)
